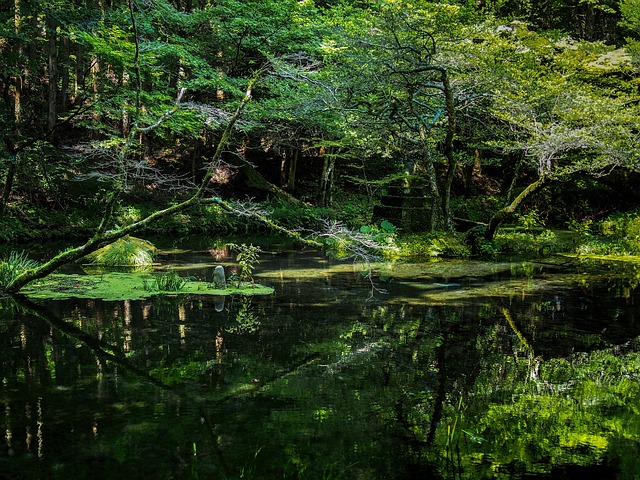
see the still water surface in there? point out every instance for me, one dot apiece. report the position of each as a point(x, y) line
point(455, 370)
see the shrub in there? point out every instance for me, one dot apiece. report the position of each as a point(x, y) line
point(167, 282)
point(545, 242)
point(432, 245)
point(295, 217)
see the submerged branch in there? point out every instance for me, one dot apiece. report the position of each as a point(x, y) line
point(512, 324)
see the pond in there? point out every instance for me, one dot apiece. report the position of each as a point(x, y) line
point(450, 369)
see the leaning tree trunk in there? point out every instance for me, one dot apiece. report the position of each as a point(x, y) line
point(254, 179)
point(508, 211)
point(104, 236)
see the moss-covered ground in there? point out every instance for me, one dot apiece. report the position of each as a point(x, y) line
point(126, 286)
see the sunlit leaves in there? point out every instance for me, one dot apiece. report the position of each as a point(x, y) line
point(565, 104)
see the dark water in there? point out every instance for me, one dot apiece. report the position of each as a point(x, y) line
point(457, 370)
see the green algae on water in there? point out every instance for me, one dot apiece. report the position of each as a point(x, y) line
point(125, 286)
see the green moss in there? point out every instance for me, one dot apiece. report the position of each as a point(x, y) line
point(124, 286)
point(124, 251)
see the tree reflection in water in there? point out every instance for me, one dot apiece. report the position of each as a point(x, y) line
point(520, 373)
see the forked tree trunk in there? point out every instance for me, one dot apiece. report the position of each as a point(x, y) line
point(508, 211)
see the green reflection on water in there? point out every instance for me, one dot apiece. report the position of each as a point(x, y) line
point(477, 371)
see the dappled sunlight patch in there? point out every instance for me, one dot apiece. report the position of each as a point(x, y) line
point(610, 258)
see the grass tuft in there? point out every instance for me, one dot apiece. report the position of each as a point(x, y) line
point(12, 266)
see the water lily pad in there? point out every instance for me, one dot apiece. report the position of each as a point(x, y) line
point(125, 286)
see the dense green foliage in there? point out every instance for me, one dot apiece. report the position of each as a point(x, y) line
point(428, 115)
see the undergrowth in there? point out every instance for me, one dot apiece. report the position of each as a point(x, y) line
point(12, 265)
point(617, 234)
point(432, 245)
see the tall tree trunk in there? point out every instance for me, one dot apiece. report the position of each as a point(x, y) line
point(326, 179)
point(95, 87)
point(52, 55)
point(8, 184)
point(283, 167)
point(80, 73)
point(64, 87)
point(436, 222)
point(293, 166)
point(18, 82)
point(126, 117)
point(448, 150)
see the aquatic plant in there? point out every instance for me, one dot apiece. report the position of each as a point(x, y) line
point(247, 258)
point(453, 436)
point(13, 265)
point(168, 282)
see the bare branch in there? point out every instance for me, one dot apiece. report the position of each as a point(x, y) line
point(163, 117)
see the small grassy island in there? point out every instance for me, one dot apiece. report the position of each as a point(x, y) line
point(105, 279)
point(130, 286)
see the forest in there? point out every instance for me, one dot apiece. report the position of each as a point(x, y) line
point(320, 239)
point(445, 121)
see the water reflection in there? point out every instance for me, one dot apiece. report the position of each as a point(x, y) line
point(506, 371)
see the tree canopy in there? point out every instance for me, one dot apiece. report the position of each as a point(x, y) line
point(396, 110)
